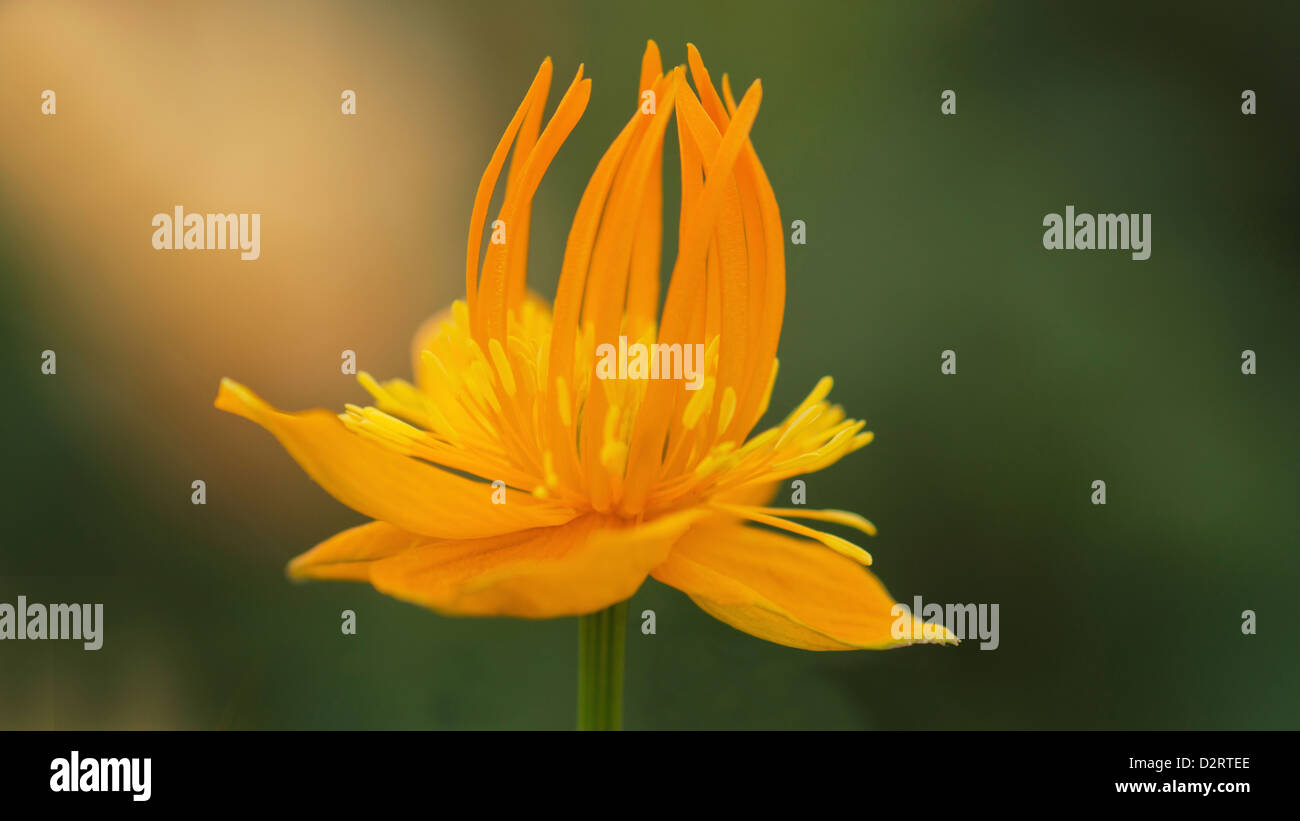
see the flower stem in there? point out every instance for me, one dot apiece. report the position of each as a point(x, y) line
point(601, 639)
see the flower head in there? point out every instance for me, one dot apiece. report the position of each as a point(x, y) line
point(517, 477)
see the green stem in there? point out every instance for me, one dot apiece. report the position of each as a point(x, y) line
point(601, 639)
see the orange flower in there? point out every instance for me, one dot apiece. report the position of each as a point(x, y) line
point(582, 486)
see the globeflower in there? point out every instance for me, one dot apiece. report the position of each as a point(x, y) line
point(513, 477)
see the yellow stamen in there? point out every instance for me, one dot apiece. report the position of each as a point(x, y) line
point(503, 366)
point(842, 546)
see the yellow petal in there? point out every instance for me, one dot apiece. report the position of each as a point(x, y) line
point(580, 567)
point(347, 556)
point(785, 590)
point(367, 477)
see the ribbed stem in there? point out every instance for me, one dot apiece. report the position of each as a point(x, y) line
point(601, 639)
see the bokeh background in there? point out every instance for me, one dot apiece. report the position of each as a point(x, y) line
point(924, 234)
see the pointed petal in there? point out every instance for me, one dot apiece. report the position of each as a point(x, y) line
point(643, 279)
point(785, 590)
point(763, 229)
point(497, 290)
point(606, 293)
point(478, 217)
point(347, 556)
point(655, 415)
point(580, 567)
point(371, 479)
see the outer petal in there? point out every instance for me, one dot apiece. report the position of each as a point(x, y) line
point(579, 567)
point(411, 494)
point(348, 556)
point(785, 590)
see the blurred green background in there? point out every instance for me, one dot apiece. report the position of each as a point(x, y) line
point(924, 234)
